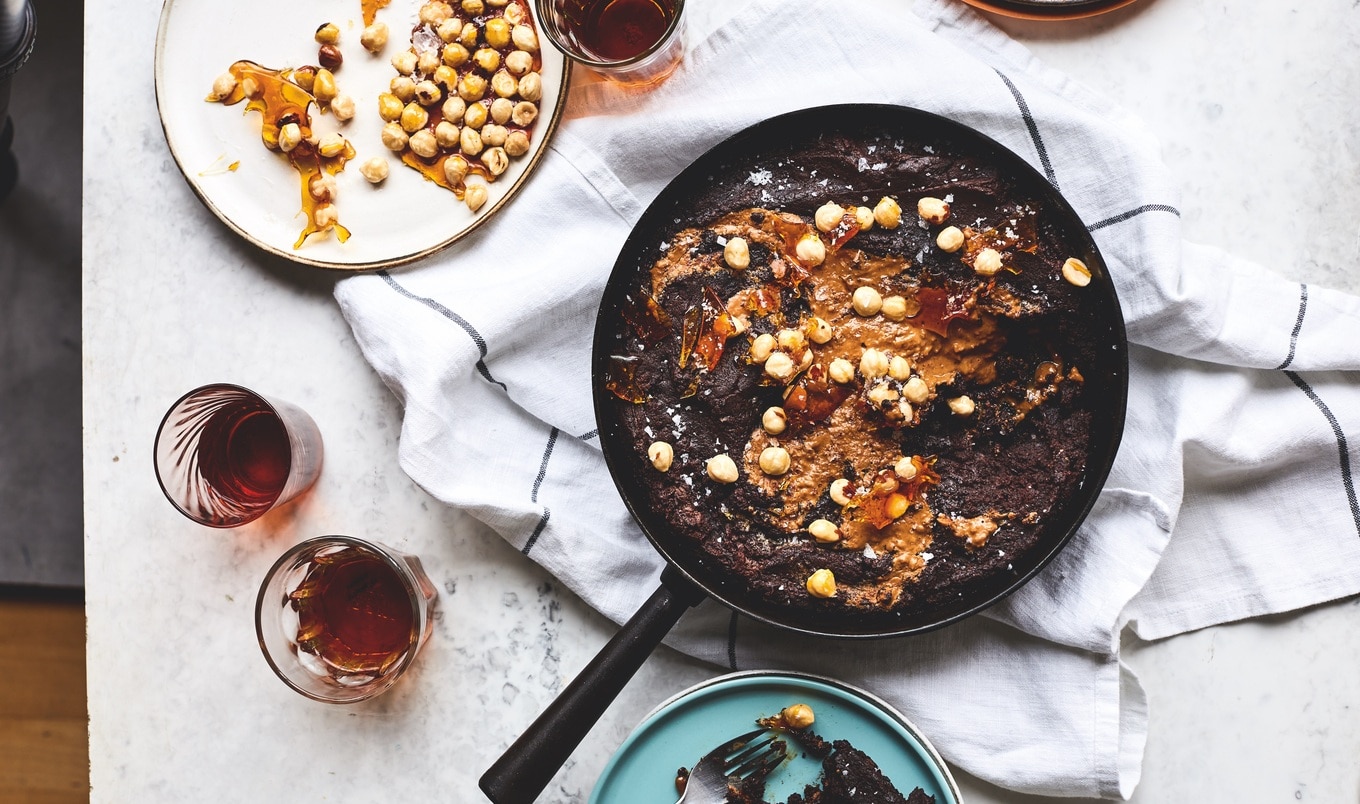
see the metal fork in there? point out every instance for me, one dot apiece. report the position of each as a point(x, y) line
point(736, 759)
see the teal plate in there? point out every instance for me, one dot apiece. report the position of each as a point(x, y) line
point(688, 725)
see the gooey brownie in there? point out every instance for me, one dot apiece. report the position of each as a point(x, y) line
point(859, 383)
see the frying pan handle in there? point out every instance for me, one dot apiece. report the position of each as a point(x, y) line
point(527, 766)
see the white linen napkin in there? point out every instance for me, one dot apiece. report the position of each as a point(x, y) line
point(1243, 406)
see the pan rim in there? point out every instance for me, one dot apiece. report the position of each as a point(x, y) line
point(1100, 457)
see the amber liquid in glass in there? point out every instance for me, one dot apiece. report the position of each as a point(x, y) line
point(354, 613)
point(244, 454)
point(622, 29)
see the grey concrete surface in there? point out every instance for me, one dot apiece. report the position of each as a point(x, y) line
point(40, 222)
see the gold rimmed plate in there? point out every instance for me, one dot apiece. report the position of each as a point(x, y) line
point(255, 192)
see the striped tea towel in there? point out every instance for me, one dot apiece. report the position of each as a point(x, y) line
point(1243, 407)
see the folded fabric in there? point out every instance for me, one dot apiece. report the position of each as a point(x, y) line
point(1242, 389)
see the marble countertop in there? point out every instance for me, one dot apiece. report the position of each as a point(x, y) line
point(1254, 106)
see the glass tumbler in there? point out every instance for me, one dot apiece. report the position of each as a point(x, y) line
point(226, 455)
point(340, 619)
point(633, 42)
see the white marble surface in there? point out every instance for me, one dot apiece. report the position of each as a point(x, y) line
point(1254, 106)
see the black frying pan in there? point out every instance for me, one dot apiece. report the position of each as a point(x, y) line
point(750, 169)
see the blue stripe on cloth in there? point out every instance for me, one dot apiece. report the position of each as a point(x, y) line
point(1347, 480)
point(455, 318)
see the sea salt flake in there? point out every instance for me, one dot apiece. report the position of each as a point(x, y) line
point(758, 178)
point(880, 165)
point(863, 164)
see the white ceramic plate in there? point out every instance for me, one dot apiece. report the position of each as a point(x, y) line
point(403, 219)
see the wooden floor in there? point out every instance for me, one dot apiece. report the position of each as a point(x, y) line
point(44, 750)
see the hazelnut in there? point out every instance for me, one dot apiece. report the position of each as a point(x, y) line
point(810, 249)
point(524, 37)
point(915, 390)
point(864, 218)
point(496, 160)
point(962, 406)
point(475, 116)
point(304, 76)
point(327, 34)
point(455, 55)
point(737, 254)
point(487, 58)
point(374, 169)
point(374, 37)
point(469, 141)
point(330, 57)
point(894, 308)
point(887, 213)
point(446, 77)
point(332, 144)
point(456, 169)
point(950, 239)
point(873, 364)
point(1076, 272)
point(661, 455)
point(517, 143)
point(838, 489)
point(866, 301)
point(404, 87)
point(427, 62)
point(497, 32)
point(904, 407)
point(449, 30)
point(932, 210)
point(898, 368)
point(468, 36)
point(435, 13)
point(493, 136)
point(327, 216)
point(828, 216)
point(841, 371)
point(389, 107)
point(423, 144)
point(774, 420)
point(504, 84)
point(473, 7)
point(531, 87)
point(762, 347)
point(905, 468)
point(223, 85)
point(501, 109)
point(447, 134)
point(791, 340)
point(343, 107)
point(780, 366)
point(987, 262)
point(250, 87)
point(323, 187)
point(290, 136)
point(824, 531)
point(524, 114)
point(819, 331)
point(519, 62)
point(822, 584)
point(896, 505)
point(323, 88)
point(405, 62)
point(471, 87)
point(881, 393)
point(475, 196)
point(774, 461)
point(513, 14)
point(454, 108)
point(722, 468)
point(414, 117)
point(797, 717)
point(428, 93)
point(394, 137)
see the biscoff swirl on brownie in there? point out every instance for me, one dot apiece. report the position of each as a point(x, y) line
point(862, 401)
